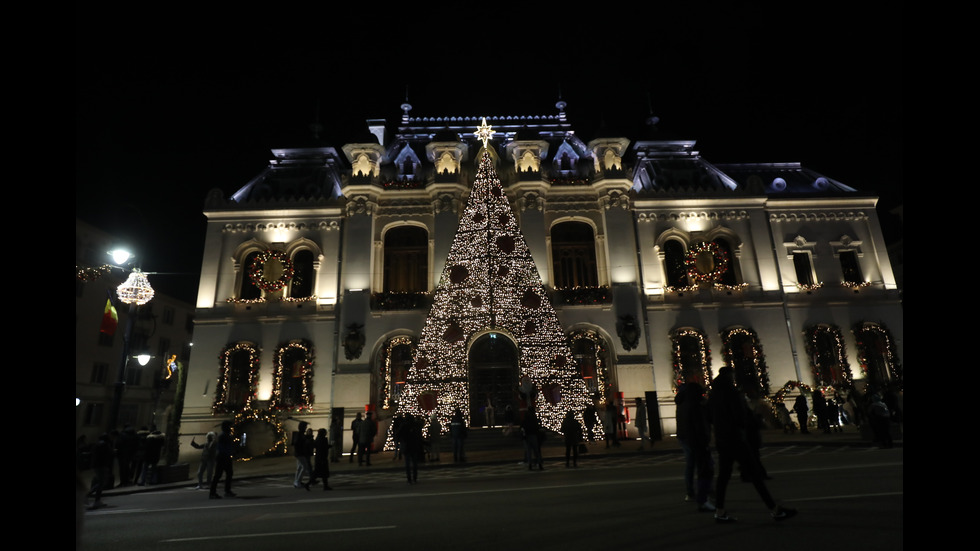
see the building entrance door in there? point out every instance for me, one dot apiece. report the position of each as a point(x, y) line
point(493, 378)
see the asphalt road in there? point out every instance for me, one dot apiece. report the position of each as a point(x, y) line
point(848, 498)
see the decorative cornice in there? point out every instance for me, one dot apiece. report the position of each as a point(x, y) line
point(252, 227)
point(360, 205)
point(678, 216)
point(822, 216)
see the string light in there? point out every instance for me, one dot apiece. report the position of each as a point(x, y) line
point(283, 371)
point(221, 404)
point(490, 283)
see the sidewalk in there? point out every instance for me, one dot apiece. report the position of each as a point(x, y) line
point(553, 450)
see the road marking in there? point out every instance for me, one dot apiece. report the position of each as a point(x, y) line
point(277, 534)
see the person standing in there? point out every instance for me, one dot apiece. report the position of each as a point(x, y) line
point(572, 432)
point(302, 450)
point(336, 435)
point(410, 435)
point(532, 439)
point(729, 415)
point(802, 412)
point(209, 451)
point(321, 468)
point(366, 434)
point(223, 461)
point(355, 434)
point(694, 435)
point(435, 435)
point(457, 431)
point(154, 450)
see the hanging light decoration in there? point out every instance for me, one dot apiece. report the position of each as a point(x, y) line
point(136, 289)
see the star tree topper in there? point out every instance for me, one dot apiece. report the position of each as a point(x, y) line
point(484, 133)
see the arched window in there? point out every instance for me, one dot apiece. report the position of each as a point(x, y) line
point(828, 359)
point(728, 276)
point(292, 387)
point(877, 355)
point(674, 265)
point(573, 255)
point(406, 260)
point(237, 376)
point(742, 351)
point(590, 354)
point(394, 364)
point(691, 360)
point(248, 290)
point(301, 285)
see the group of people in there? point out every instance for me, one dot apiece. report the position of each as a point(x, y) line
point(312, 457)
point(132, 455)
point(725, 412)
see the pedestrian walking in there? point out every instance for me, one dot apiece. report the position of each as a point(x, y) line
point(802, 412)
point(410, 435)
point(531, 429)
point(366, 434)
point(572, 432)
point(355, 434)
point(729, 415)
point(322, 459)
point(694, 436)
point(302, 445)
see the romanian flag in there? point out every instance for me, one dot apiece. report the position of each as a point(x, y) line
point(110, 319)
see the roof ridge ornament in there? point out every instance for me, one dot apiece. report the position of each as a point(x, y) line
point(484, 133)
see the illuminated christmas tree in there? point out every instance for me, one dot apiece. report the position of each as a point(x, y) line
point(491, 284)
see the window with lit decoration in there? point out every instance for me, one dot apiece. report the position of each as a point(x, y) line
point(293, 383)
point(743, 352)
point(877, 354)
point(828, 359)
point(248, 290)
point(406, 260)
point(301, 285)
point(675, 265)
point(691, 357)
point(850, 267)
point(727, 277)
point(573, 255)
point(237, 377)
point(391, 374)
point(590, 354)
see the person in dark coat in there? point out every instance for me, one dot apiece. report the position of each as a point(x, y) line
point(531, 428)
point(457, 432)
point(102, 457)
point(572, 431)
point(321, 464)
point(729, 416)
point(409, 436)
point(694, 435)
point(802, 412)
point(365, 439)
point(302, 449)
point(355, 434)
point(224, 461)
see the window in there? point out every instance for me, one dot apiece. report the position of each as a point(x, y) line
point(406, 260)
point(743, 353)
point(850, 267)
point(301, 285)
point(828, 359)
point(248, 289)
point(804, 268)
point(134, 374)
point(292, 389)
point(237, 377)
point(728, 276)
point(100, 372)
point(392, 372)
point(93, 414)
point(589, 355)
point(674, 265)
point(691, 358)
point(573, 255)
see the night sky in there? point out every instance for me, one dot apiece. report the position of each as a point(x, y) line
point(170, 105)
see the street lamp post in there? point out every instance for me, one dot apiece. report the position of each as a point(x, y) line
point(135, 291)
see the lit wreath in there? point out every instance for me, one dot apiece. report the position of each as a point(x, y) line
point(256, 271)
point(720, 263)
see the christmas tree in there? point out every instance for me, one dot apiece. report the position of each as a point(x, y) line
point(491, 284)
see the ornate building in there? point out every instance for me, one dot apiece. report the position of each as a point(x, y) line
point(320, 274)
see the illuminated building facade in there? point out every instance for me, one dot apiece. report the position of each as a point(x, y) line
point(326, 278)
